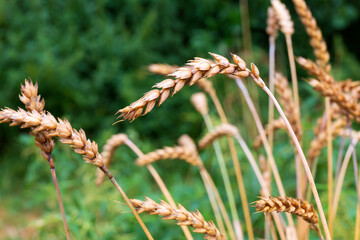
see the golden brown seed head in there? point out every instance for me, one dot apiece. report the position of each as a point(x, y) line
point(199, 101)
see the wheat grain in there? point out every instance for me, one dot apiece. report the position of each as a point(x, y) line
point(222, 130)
point(180, 214)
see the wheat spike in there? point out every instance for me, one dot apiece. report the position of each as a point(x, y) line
point(272, 26)
point(180, 214)
point(298, 207)
point(162, 69)
point(283, 16)
point(194, 71)
point(33, 102)
point(55, 128)
point(286, 99)
point(276, 124)
point(177, 152)
point(109, 148)
point(222, 130)
point(319, 142)
point(316, 39)
point(199, 101)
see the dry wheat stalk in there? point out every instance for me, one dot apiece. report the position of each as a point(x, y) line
point(180, 214)
point(283, 16)
point(222, 130)
point(162, 69)
point(318, 143)
point(316, 39)
point(199, 101)
point(275, 125)
point(298, 207)
point(188, 75)
point(177, 152)
point(109, 148)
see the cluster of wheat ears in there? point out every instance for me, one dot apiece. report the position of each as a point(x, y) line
point(341, 109)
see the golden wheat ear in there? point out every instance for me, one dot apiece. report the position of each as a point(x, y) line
point(181, 215)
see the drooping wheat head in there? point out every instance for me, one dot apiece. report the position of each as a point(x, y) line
point(180, 214)
point(222, 130)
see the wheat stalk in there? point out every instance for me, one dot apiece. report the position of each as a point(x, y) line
point(180, 214)
point(67, 135)
point(274, 126)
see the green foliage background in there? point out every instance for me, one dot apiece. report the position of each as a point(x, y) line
point(90, 58)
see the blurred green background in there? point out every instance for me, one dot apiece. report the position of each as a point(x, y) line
point(90, 59)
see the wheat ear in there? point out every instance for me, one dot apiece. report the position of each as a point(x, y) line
point(162, 69)
point(180, 214)
point(222, 130)
point(316, 39)
point(32, 101)
point(273, 127)
point(298, 207)
point(76, 139)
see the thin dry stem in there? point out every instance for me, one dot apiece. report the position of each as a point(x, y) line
point(273, 127)
point(181, 215)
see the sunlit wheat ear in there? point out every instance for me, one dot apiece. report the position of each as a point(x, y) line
point(314, 32)
point(177, 152)
point(162, 69)
point(272, 26)
point(199, 101)
point(112, 143)
point(194, 71)
point(33, 102)
point(283, 16)
point(298, 207)
point(67, 135)
point(180, 214)
point(220, 131)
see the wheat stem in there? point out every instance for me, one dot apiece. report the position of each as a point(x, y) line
point(340, 180)
point(357, 222)
point(123, 194)
point(226, 179)
point(261, 130)
point(303, 159)
point(237, 167)
point(58, 194)
point(159, 182)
